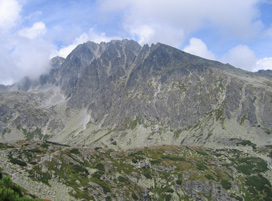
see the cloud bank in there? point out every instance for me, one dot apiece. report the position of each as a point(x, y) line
point(9, 14)
point(155, 20)
point(23, 52)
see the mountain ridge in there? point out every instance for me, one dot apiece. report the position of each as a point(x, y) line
point(111, 86)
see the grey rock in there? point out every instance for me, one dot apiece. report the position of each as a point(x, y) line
point(123, 87)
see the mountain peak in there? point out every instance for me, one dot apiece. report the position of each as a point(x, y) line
point(156, 83)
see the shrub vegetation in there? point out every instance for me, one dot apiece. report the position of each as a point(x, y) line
point(10, 191)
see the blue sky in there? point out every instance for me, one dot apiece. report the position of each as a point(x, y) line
point(32, 31)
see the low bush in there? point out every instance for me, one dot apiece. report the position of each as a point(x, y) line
point(123, 179)
point(97, 148)
point(170, 190)
point(179, 182)
point(245, 169)
point(134, 196)
point(201, 153)
point(18, 162)
point(10, 191)
point(147, 175)
point(75, 151)
point(261, 166)
point(106, 189)
point(168, 198)
point(226, 184)
point(34, 150)
point(139, 158)
point(270, 154)
point(79, 168)
point(201, 166)
point(100, 167)
point(55, 143)
point(210, 177)
point(44, 145)
point(2, 146)
point(27, 153)
point(153, 162)
point(137, 153)
point(98, 174)
point(258, 182)
point(174, 158)
point(108, 198)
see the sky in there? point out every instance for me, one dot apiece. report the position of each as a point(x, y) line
point(230, 31)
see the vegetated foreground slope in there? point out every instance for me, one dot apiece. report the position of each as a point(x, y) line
point(56, 172)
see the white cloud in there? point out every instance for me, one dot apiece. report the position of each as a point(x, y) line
point(152, 19)
point(90, 36)
point(241, 56)
point(20, 57)
point(143, 32)
point(35, 60)
point(25, 52)
point(199, 48)
point(264, 64)
point(35, 31)
point(9, 13)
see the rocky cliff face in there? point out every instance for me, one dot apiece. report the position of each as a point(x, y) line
point(150, 95)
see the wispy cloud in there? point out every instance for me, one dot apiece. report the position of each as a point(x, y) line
point(35, 31)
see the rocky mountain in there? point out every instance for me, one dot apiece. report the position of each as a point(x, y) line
point(122, 96)
point(145, 95)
